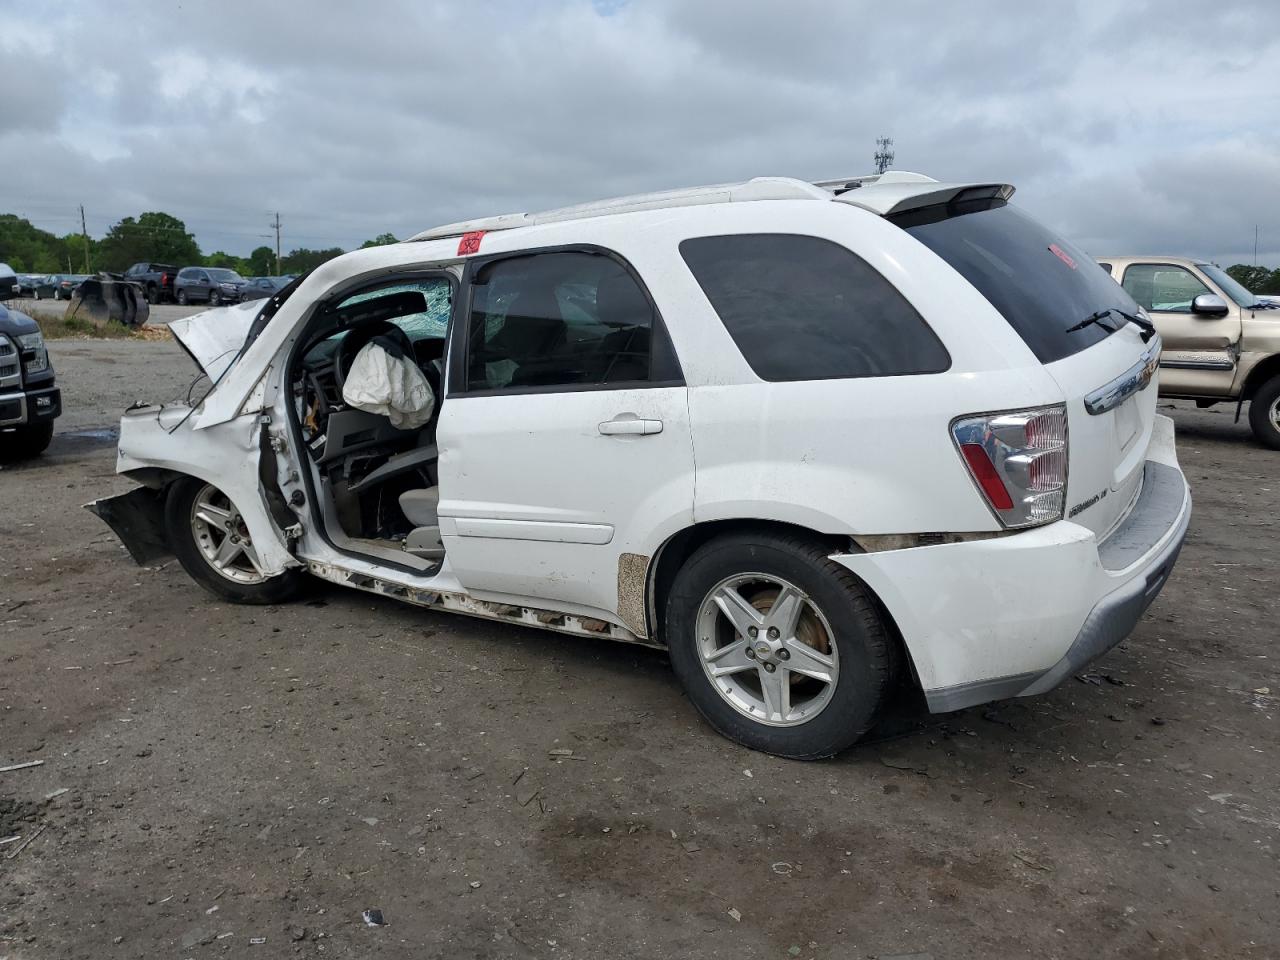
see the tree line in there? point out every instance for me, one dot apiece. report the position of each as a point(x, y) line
point(154, 236)
point(1256, 279)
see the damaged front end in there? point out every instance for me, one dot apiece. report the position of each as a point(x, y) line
point(165, 443)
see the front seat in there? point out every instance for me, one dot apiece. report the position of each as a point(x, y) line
point(420, 508)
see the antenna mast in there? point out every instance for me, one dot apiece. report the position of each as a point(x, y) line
point(884, 153)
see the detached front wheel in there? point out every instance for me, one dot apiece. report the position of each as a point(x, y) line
point(211, 541)
point(779, 648)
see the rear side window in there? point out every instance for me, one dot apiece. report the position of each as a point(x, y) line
point(1041, 283)
point(804, 308)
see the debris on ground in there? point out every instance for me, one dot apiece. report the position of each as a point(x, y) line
point(736, 914)
point(373, 917)
point(22, 766)
point(25, 843)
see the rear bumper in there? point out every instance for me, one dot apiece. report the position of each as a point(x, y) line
point(1018, 614)
point(30, 406)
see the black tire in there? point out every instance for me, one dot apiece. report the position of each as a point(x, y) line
point(866, 648)
point(153, 295)
point(1261, 418)
point(177, 519)
point(26, 442)
point(215, 299)
point(182, 298)
point(35, 294)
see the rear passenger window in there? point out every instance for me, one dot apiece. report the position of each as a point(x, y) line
point(804, 308)
point(566, 319)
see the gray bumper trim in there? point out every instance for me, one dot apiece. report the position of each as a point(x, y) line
point(1112, 618)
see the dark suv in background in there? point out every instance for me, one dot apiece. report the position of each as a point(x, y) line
point(212, 285)
point(29, 401)
point(155, 279)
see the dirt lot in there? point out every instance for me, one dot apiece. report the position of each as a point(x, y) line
point(239, 773)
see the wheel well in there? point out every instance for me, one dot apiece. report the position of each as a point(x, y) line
point(672, 555)
point(1259, 375)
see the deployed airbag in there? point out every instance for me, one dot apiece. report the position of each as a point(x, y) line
point(388, 385)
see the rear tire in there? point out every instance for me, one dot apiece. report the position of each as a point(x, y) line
point(197, 537)
point(1264, 414)
point(182, 298)
point(808, 688)
point(153, 295)
point(25, 442)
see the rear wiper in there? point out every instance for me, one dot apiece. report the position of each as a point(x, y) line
point(1148, 328)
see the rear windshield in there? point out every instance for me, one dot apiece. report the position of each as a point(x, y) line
point(1040, 282)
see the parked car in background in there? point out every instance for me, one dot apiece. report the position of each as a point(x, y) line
point(155, 279)
point(29, 400)
point(256, 288)
point(10, 286)
point(59, 286)
point(27, 284)
point(1221, 342)
point(212, 285)
point(856, 433)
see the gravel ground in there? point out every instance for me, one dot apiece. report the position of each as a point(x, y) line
point(238, 773)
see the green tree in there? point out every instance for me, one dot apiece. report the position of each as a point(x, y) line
point(381, 240)
point(1251, 278)
point(231, 262)
point(261, 263)
point(303, 260)
point(152, 236)
point(29, 249)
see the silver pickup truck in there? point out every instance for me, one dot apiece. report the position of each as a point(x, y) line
point(1221, 342)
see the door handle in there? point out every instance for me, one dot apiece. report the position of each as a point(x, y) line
point(621, 426)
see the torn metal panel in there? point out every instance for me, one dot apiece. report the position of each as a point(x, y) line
point(137, 518)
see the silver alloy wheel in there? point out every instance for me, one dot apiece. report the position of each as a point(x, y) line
point(222, 537)
point(1274, 413)
point(767, 649)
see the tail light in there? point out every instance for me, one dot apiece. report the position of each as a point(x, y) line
point(1018, 459)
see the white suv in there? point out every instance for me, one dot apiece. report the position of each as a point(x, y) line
point(812, 439)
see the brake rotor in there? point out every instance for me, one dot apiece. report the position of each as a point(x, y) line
point(808, 631)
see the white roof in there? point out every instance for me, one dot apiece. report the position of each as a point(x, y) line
point(892, 191)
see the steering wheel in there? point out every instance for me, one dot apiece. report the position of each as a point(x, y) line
point(356, 339)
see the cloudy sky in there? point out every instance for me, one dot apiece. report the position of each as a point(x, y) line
point(1134, 126)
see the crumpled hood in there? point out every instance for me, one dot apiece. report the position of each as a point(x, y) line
point(213, 338)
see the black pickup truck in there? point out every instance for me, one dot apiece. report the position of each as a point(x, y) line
point(155, 279)
point(29, 401)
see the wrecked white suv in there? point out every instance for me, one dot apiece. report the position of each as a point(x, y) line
point(812, 439)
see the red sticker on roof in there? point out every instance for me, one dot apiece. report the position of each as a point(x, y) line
point(1056, 250)
point(470, 243)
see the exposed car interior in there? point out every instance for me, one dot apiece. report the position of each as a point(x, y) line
point(376, 483)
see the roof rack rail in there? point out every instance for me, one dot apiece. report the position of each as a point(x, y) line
point(844, 184)
point(758, 188)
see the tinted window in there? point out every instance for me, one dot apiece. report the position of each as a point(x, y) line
point(1040, 282)
point(1163, 287)
point(1106, 267)
point(562, 319)
point(803, 308)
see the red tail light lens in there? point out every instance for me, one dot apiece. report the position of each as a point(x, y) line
point(1018, 460)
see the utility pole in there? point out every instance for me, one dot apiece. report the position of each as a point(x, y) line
point(1255, 244)
point(84, 232)
point(884, 155)
point(276, 224)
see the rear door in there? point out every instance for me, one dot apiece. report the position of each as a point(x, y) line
point(564, 438)
point(1199, 357)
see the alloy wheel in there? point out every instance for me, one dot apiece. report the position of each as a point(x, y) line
point(220, 533)
point(767, 649)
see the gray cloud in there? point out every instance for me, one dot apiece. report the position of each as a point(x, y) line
point(1134, 127)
